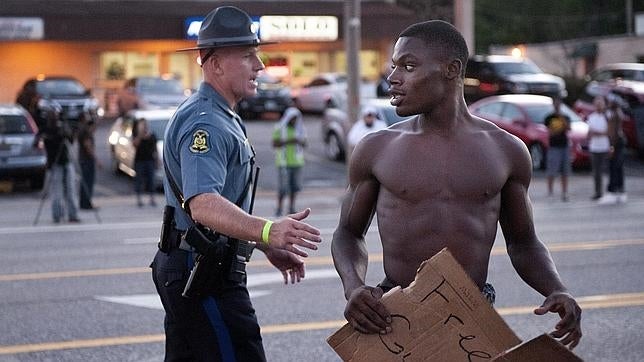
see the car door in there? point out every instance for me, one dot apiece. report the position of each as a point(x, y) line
point(317, 92)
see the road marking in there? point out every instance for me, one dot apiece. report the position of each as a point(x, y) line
point(152, 301)
point(586, 303)
point(312, 261)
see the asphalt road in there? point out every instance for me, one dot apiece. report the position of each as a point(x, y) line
point(83, 292)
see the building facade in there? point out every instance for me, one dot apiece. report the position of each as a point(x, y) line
point(103, 43)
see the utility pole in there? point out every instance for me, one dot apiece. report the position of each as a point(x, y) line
point(629, 17)
point(352, 49)
point(464, 21)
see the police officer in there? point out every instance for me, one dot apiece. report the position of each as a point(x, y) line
point(209, 159)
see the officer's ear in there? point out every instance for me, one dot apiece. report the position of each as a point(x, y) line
point(453, 69)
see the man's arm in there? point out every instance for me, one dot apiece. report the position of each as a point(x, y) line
point(529, 255)
point(216, 212)
point(364, 311)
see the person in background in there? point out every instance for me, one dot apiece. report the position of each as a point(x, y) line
point(615, 117)
point(289, 141)
point(87, 161)
point(370, 122)
point(558, 160)
point(146, 160)
point(599, 147)
point(58, 137)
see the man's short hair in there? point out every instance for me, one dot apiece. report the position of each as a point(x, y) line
point(443, 35)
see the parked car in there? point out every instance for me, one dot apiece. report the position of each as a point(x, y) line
point(625, 83)
point(327, 90)
point(499, 74)
point(523, 115)
point(70, 94)
point(336, 125)
point(151, 93)
point(272, 96)
point(122, 134)
point(617, 71)
point(20, 156)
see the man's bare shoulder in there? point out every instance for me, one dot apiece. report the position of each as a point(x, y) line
point(503, 137)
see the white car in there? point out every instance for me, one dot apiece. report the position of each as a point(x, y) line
point(121, 136)
point(327, 90)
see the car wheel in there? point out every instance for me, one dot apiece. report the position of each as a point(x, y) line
point(37, 182)
point(538, 156)
point(333, 147)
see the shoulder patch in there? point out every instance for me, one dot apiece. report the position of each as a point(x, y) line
point(200, 142)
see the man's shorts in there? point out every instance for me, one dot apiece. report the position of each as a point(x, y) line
point(558, 161)
point(289, 180)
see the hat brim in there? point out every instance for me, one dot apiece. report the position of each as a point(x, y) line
point(227, 45)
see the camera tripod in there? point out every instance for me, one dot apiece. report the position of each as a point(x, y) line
point(66, 192)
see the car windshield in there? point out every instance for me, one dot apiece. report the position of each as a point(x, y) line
point(539, 112)
point(159, 86)
point(60, 87)
point(14, 124)
point(516, 68)
point(157, 127)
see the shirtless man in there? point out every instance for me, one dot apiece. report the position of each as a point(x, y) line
point(440, 179)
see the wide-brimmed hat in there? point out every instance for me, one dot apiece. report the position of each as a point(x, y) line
point(227, 26)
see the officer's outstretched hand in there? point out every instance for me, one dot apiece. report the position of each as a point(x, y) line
point(568, 330)
point(365, 311)
point(288, 263)
point(290, 231)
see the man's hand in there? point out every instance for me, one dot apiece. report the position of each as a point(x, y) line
point(288, 263)
point(365, 311)
point(290, 231)
point(568, 330)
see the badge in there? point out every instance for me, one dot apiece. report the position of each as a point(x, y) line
point(200, 142)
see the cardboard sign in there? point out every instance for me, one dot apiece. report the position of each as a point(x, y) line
point(440, 316)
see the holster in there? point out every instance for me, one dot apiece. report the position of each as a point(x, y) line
point(167, 239)
point(220, 259)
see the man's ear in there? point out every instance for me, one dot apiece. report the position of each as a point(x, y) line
point(453, 69)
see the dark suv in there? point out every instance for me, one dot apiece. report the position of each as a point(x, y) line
point(499, 74)
point(38, 94)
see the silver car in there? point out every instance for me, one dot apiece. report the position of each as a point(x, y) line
point(336, 125)
point(21, 157)
point(122, 134)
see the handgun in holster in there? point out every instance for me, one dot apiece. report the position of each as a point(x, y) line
point(213, 260)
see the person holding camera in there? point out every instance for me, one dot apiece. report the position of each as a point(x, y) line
point(209, 167)
point(58, 136)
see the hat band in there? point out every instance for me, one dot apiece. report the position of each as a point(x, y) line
point(227, 40)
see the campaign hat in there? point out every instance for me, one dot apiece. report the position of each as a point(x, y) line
point(227, 26)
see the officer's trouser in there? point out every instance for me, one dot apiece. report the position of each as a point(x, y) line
point(217, 328)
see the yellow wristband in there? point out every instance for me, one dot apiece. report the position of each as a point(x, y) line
point(266, 231)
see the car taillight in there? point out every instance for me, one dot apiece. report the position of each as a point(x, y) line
point(488, 87)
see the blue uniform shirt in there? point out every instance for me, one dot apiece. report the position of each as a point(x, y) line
point(206, 151)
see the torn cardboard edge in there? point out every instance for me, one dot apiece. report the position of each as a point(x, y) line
point(441, 315)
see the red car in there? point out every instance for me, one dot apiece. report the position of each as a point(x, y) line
point(523, 115)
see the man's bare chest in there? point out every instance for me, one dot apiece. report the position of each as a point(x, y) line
point(454, 171)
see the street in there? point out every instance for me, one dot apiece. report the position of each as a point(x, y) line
point(83, 292)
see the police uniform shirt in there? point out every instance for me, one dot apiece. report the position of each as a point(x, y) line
point(206, 151)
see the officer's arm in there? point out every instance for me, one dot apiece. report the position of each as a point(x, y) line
point(216, 212)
